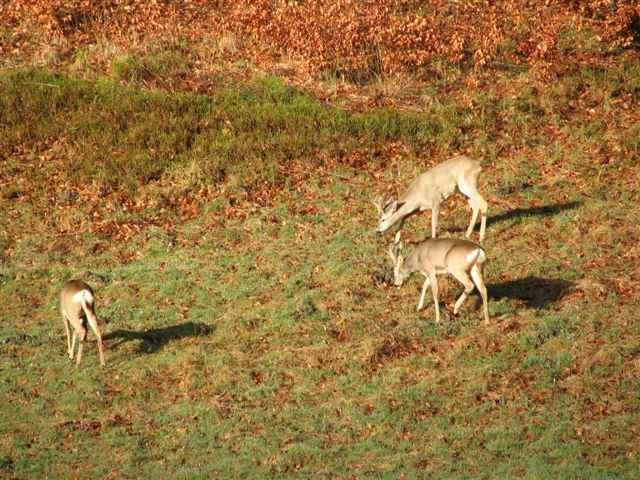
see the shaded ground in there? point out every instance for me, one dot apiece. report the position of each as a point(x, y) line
point(155, 339)
point(534, 292)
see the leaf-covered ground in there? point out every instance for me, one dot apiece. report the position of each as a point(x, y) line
point(251, 333)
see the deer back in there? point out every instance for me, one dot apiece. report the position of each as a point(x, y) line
point(69, 297)
point(445, 254)
point(440, 181)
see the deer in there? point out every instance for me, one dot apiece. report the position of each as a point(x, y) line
point(427, 191)
point(463, 259)
point(77, 303)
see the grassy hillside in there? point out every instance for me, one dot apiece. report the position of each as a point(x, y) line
point(251, 332)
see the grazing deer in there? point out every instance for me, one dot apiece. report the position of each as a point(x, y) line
point(78, 308)
point(430, 189)
point(461, 258)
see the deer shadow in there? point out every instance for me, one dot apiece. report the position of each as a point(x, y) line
point(155, 339)
point(535, 292)
point(542, 211)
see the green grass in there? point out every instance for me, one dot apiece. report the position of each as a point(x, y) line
point(247, 337)
point(125, 136)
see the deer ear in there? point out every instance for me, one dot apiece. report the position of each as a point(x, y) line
point(392, 205)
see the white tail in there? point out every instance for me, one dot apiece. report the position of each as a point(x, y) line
point(85, 298)
point(460, 258)
point(429, 190)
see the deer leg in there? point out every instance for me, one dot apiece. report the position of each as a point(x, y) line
point(435, 210)
point(73, 344)
point(483, 221)
point(476, 275)
point(464, 279)
point(468, 187)
point(93, 323)
point(79, 357)
point(76, 328)
point(424, 290)
point(66, 328)
point(434, 291)
point(480, 204)
point(474, 219)
point(82, 334)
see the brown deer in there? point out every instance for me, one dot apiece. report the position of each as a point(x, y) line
point(461, 258)
point(77, 304)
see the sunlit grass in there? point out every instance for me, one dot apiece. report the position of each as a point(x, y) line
point(249, 338)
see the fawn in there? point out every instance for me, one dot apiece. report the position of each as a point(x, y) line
point(461, 258)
